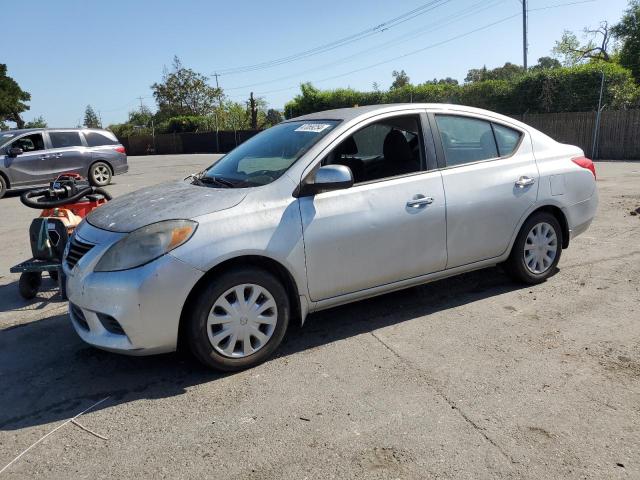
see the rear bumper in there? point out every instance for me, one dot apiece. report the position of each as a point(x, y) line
point(580, 215)
point(121, 168)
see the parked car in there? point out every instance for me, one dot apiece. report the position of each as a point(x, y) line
point(319, 211)
point(37, 156)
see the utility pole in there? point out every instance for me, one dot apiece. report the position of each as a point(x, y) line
point(524, 33)
point(141, 106)
point(254, 112)
point(218, 87)
point(596, 128)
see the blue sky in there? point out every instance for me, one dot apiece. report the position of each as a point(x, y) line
point(68, 54)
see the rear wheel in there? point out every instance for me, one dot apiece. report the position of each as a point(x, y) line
point(100, 174)
point(29, 284)
point(238, 320)
point(537, 249)
point(3, 186)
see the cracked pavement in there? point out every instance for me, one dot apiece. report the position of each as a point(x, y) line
point(470, 377)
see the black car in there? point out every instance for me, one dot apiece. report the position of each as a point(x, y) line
point(37, 156)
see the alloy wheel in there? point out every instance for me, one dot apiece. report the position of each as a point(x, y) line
point(101, 173)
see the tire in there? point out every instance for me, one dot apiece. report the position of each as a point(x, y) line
point(3, 186)
point(213, 319)
point(29, 284)
point(100, 174)
point(532, 266)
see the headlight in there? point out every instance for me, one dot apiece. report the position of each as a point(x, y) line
point(146, 244)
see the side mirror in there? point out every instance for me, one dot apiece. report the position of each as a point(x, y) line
point(14, 152)
point(326, 179)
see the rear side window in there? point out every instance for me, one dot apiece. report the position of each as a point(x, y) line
point(466, 139)
point(507, 139)
point(65, 139)
point(95, 139)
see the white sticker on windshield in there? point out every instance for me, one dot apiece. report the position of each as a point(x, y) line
point(312, 127)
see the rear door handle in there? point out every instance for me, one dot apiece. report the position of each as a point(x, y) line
point(525, 182)
point(419, 201)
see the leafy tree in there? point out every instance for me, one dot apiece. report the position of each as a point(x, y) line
point(238, 117)
point(91, 119)
point(12, 99)
point(627, 31)
point(546, 63)
point(38, 122)
point(596, 46)
point(184, 92)
point(508, 71)
point(442, 81)
point(400, 79)
point(272, 117)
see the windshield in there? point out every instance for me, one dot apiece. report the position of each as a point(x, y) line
point(5, 137)
point(265, 157)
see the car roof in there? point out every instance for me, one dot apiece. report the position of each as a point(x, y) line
point(20, 131)
point(347, 114)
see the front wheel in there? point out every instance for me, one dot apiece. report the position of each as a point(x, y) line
point(3, 186)
point(537, 249)
point(29, 284)
point(238, 320)
point(100, 174)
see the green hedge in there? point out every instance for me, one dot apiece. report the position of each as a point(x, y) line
point(571, 89)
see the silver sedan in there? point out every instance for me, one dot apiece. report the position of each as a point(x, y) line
point(318, 211)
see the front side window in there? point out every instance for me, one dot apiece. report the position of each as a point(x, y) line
point(466, 139)
point(387, 148)
point(65, 139)
point(29, 143)
point(265, 157)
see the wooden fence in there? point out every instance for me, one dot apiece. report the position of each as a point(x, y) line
point(618, 136)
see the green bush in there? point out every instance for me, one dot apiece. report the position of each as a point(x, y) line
point(570, 89)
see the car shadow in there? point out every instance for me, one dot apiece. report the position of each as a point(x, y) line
point(48, 374)
point(11, 301)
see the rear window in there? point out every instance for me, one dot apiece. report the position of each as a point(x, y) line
point(507, 139)
point(65, 139)
point(95, 139)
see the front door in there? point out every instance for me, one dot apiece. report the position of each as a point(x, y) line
point(31, 166)
point(389, 226)
point(490, 178)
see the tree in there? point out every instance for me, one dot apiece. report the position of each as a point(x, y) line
point(627, 31)
point(12, 99)
point(37, 122)
point(184, 92)
point(273, 117)
point(91, 119)
point(508, 71)
point(400, 79)
point(596, 47)
point(545, 63)
point(442, 81)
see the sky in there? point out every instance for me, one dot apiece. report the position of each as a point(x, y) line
point(69, 54)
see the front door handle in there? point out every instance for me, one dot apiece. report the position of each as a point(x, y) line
point(525, 182)
point(419, 201)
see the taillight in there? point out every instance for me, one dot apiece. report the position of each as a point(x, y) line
point(584, 162)
point(120, 150)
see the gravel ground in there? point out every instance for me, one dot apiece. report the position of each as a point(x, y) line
point(471, 377)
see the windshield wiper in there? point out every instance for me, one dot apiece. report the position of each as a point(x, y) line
point(216, 180)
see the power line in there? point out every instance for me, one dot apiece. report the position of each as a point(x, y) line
point(382, 27)
point(429, 28)
point(456, 37)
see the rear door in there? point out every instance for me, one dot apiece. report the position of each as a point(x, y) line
point(68, 151)
point(490, 180)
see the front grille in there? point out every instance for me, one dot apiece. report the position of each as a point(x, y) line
point(77, 250)
point(110, 324)
point(78, 316)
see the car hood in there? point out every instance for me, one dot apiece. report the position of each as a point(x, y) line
point(166, 201)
